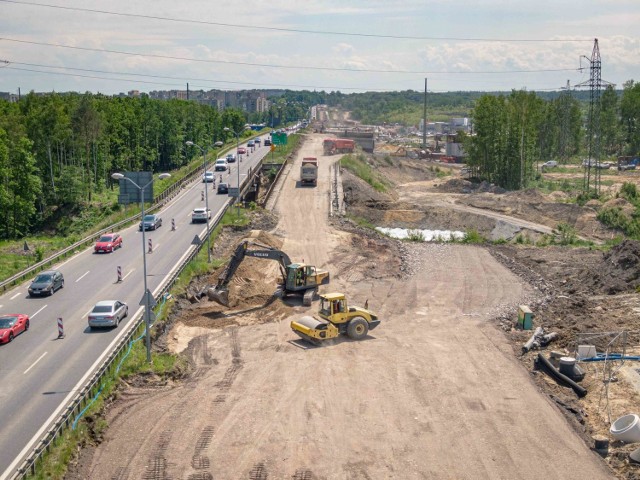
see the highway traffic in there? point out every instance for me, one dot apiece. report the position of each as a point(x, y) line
point(40, 372)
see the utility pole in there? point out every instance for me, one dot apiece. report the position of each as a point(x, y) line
point(595, 84)
point(424, 118)
point(565, 123)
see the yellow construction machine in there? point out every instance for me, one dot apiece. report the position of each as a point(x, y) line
point(297, 278)
point(335, 318)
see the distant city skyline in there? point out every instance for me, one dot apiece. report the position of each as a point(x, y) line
point(491, 45)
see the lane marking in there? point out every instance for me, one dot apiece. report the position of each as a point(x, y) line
point(34, 363)
point(130, 272)
point(38, 311)
point(16, 295)
point(86, 273)
point(87, 314)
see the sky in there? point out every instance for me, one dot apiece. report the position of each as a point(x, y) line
point(349, 46)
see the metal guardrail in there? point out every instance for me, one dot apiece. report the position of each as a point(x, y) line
point(80, 401)
point(158, 201)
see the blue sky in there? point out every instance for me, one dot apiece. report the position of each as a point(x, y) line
point(232, 45)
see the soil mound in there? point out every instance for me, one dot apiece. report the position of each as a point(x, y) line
point(620, 268)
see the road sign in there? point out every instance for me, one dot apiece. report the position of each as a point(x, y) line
point(152, 301)
point(196, 240)
point(234, 192)
point(273, 148)
point(279, 138)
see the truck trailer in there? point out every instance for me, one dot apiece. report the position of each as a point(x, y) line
point(309, 171)
point(332, 146)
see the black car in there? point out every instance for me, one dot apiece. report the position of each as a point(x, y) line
point(150, 222)
point(46, 283)
point(223, 188)
point(267, 142)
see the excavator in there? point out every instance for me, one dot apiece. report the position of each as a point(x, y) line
point(297, 278)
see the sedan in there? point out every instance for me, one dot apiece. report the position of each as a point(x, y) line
point(241, 150)
point(150, 222)
point(231, 158)
point(108, 313)
point(108, 242)
point(223, 188)
point(46, 283)
point(208, 177)
point(200, 215)
point(12, 325)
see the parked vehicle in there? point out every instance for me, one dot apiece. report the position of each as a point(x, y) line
point(150, 222)
point(223, 188)
point(108, 313)
point(221, 165)
point(12, 325)
point(550, 164)
point(208, 177)
point(200, 215)
point(108, 243)
point(46, 283)
point(231, 158)
point(309, 170)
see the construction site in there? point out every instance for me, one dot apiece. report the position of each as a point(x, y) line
point(441, 375)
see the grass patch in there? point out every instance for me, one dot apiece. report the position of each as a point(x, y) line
point(357, 165)
point(472, 236)
point(282, 152)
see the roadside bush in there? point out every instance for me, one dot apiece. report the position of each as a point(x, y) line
point(629, 191)
point(566, 233)
point(473, 236)
point(415, 236)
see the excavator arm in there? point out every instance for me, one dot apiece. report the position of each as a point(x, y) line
point(221, 292)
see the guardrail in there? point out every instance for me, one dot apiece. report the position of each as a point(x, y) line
point(92, 386)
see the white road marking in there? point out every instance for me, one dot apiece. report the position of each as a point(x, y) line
point(16, 295)
point(87, 314)
point(130, 272)
point(34, 363)
point(85, 274)
point(155, 247)
point(31, 316)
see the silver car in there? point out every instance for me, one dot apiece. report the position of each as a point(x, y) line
point(108, 313)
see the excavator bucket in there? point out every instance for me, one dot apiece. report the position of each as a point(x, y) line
point(219, 295)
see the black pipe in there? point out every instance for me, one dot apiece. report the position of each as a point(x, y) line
point(559, 377)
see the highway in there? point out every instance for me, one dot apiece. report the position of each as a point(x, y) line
point(40, 373)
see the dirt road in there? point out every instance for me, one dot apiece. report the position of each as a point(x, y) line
point(434, 392)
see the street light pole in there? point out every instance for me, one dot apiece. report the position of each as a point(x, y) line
point(147, 294)
point(206, 191)
point(237, 134)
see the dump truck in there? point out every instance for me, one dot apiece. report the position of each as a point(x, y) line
point(309, 171)
point(335, 318)
point(332, 146)
point(297, 278)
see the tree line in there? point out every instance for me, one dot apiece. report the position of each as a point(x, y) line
point(59, 150)
point(513, 132)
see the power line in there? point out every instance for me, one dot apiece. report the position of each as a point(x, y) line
point(292, 30)
point(8, 65)
point(293, 67)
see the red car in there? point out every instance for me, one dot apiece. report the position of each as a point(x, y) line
point(11, 325)
point(241, 150)
point(108, 242)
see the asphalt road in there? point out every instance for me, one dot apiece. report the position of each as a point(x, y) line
point(40, 373)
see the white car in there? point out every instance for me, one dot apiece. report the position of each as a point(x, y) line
point(208, 177)
point(200, 215)
point(221, 165)
point(550, 164)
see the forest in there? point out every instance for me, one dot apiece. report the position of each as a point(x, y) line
point(513, 132)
